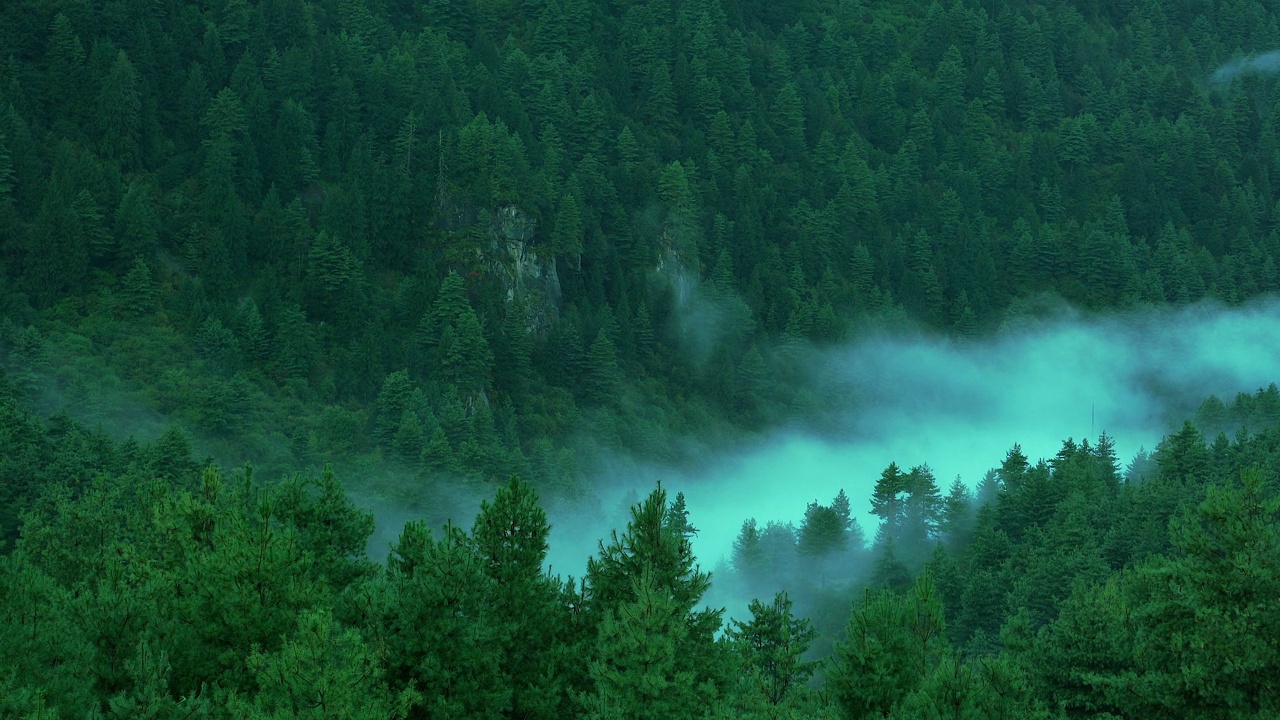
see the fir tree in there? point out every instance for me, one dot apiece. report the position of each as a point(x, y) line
point(137, 289)
point(604, 378)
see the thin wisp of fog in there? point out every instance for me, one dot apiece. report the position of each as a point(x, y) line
point(959, 407)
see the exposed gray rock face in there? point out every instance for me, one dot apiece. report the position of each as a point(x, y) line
point(513, 258)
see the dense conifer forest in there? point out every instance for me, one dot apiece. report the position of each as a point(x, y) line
point(257, 253)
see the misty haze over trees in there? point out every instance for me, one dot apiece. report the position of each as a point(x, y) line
point(267, 263)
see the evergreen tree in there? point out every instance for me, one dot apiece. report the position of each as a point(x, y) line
point(567, 234)
point(466, 360)
point(771, 646)
point(320, 665)
point(407, 441)
point(604, 378)
point(1154, 642)
point(748, 556)
point(510, 535)
point(894, 642)
point(787, 116)
point(66, 81)
point(87, 224)
point(956, 518)
point(822, 532)
point(436, 625)
point(649, 575)
point(136, 224)
point(391, 405)
point(753, 382)
point(889, 571)
point(513, 365)
point(989, 489)
point(1014, 469)
point(137, 289)
point(6, 172)
point(119, 113)
point(887, 501)
point(921, 512)
point(637, 671)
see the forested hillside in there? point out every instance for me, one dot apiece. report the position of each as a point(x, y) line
point(256, 253)
point(453, 234)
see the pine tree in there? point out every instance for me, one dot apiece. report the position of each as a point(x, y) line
point(628, 149)
point(320, 665)
point(437, 453)
point(989, 489)
point(644, 333)
point(959, 689)
point(1183, 457)
point(678, 518)
point(653, 562)
point(64, 58)
point(753, 382)
point(822, 532)
point(894, 642)
point(887, 499)
point(1013, 470)
point(37, 637)
point(513, 365)
point(510, 536)
point(6, 172)
point(252, 334)
point(295, 343)
point(650, 539)
point(840, 505)
point(1191, 633)
point(889, 571)
point(638, 670)
point(1108, 463)
point(571, 355)
point(921, 511)
point(453, 417)
point(436, 624)
point(770, 647)
point(787, 118)
point(659, 107)
point(216, 344)
point(454, 340)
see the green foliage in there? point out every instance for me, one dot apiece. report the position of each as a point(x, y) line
point(321, 671)
point(820, 168)
point(638, 672)
point(894, 643)
point(119, 112)
point(36, 637)
point(144, 586)
point(650, 539)
point(771, 646)
point(292, 219)
point(648, 579)
point(1194, 632)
